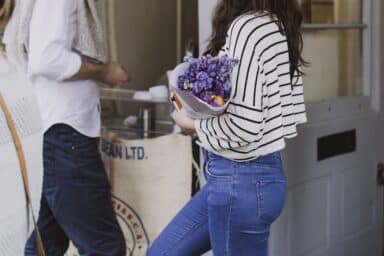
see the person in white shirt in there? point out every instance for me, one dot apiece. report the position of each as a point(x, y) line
point(60, 44)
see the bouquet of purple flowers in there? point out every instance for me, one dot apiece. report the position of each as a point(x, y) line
point(203, 86)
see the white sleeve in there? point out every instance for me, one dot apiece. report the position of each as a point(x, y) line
point(49, 54)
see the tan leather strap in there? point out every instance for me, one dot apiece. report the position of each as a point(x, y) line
point(23, 168)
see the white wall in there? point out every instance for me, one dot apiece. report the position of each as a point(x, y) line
point(205, 24)
point(145, 36)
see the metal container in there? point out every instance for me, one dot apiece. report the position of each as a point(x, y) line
point(146, 123)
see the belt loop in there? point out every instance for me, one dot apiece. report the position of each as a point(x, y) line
point(206, 158)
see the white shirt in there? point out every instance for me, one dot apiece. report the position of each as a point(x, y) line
point(51, 60)
point(267, 104)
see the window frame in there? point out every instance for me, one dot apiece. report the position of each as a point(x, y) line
point(371, 64)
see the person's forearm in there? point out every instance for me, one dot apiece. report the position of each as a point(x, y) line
point(89, 71)
point(112, 73)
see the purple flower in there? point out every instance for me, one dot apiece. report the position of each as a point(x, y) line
point(208, 77)
point(207, 96)
point(202, 76)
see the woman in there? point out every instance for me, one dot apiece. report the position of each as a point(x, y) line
point(19, 97)
point(246, 186)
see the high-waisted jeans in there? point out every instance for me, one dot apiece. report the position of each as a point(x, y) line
point(232, 214)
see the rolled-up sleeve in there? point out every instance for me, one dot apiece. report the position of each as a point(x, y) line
point(50, 52)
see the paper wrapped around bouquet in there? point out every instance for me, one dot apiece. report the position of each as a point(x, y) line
point(193, 106)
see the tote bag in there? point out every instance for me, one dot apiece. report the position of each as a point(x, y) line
point(151, 181)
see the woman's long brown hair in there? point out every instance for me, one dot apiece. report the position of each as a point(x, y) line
point(6, 8)
point(288, 13)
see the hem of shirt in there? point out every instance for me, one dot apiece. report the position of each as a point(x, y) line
point(83, 131)
point(266, 151)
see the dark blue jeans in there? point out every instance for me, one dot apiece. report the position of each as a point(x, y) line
point(232, 214)
point(76, 202)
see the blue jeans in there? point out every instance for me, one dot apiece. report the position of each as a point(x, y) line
point(232, 214)
point(76, 202)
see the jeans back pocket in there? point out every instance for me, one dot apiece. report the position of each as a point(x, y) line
point(271, 195)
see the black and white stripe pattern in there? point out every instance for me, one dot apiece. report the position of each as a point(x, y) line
point(266, 104)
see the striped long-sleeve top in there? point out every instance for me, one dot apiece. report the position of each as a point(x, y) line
point(266, 103)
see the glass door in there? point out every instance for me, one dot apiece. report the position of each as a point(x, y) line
point(334, 45)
